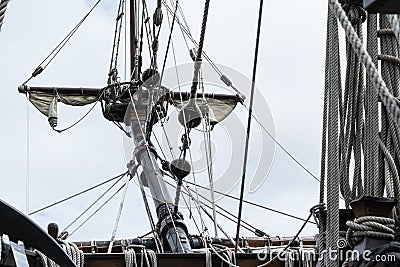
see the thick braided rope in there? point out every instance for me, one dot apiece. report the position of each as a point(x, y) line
point(3, 8)
point(197, 63)
point(393, 185)
point(334, 85)
point(371, 180)
point(370, 226)
point(72, 251)
point(152, 257)
point(386, 97)
point(390, 133)
point(392, 165)
point(130, 258)
point(208, 258)
point(347, 128)
point(359, 117)
point(75, 253)
point(394, 21)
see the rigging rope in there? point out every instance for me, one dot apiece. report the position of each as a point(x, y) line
point(386, 97)
point(169, 41)
point(117, 219)
point(3, 8)
point(147, 257)
point(252, 203)
point(351, 118)
point(207, 145)
point(146, 145)
point(197, 63)
point(187, 131)
point(395, 23)
point(95, 212)
point(247, 226)
point(219, 227)
point(91, 205)
point(150, 216)
point(78, 194)
point(354, 112)
point(389, 136)
point(27, 177)
point(371, 152)
point(276, 141)
point(333, 87)
point(224, 254)
point(78, 121)
point(60, 46)
point(313, 210)
point(186, 32)
point(253, 81)
point(113, 72)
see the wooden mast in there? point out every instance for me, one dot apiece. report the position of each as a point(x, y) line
point(170, 226)
point(133, 39)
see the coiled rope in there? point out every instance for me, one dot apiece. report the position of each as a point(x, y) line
point(370, 226)
point(148, 257)
point(72, 251)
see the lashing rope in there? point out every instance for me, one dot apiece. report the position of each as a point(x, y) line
point(370, 226)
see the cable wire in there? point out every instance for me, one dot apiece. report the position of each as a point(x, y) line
point(252, 203)
point(58, 48)
point(77, 194)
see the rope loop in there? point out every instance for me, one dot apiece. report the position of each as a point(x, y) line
point(370, 226)
point(148, 257)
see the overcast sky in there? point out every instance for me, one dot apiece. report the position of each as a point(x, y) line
point(290, 78)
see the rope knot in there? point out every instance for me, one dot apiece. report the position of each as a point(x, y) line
point(355, 11)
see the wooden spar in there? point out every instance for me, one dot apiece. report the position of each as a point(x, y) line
point(254, 242)
point(87, 91)
point(186, 96)
point(81, 91)
point(168, 260)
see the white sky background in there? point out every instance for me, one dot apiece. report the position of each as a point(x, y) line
point(290, 76)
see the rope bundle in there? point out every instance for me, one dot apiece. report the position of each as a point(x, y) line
point(227, 256)
point(350, 136)
point(148, 257)
point(370, 226)
point(72, 251)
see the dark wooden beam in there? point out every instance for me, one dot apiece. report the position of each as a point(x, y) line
point(83, 91)
point(382, 6)
point(186, 95)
